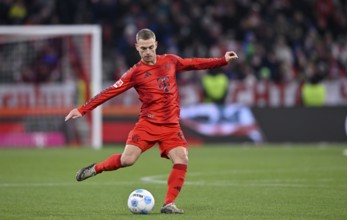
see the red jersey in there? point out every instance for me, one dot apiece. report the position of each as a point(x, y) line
point(156, 86)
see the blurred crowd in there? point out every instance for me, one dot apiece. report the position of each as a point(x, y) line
point(277, 40)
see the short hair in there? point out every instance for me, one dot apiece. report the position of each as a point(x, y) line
point(145, 34)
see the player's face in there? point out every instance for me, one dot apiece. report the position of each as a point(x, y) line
point(147, 50)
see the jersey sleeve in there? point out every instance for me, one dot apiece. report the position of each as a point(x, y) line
point(123, 84)
point(197, 63)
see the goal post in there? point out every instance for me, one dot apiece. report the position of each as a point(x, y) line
point(25, 93)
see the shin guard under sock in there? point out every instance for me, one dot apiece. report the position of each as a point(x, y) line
point(111, 163)
point(175, 182)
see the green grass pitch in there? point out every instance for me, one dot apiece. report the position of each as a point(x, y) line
point(223, 182)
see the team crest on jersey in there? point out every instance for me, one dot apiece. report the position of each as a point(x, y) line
point(118, 84)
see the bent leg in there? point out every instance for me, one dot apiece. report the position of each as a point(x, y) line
point(130, 154)
point(116, 161)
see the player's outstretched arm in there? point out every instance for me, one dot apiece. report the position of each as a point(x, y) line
point(230, 56)
point(74, 113)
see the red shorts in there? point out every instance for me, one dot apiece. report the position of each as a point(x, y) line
point(146, 134)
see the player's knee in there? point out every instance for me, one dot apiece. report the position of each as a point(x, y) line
point(181, 159)
point(179, 156)
point(185, 159)
point(128, 161)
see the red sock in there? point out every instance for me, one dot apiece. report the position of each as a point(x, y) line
point(111, 163)
point(175, 182)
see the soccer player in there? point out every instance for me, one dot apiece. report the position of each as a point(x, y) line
point(154, 78)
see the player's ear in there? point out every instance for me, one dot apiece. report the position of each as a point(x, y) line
point(137, 47)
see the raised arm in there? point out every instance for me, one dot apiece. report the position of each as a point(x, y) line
point(94, 102)
point(203, 63)
point(119, 87)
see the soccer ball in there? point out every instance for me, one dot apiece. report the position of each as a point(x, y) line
point(141, 201)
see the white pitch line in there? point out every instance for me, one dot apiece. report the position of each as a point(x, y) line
point(295, 183)
point(162, 179)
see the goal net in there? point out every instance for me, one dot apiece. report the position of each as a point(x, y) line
point(45, 71)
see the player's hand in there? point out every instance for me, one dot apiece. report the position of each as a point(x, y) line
point(230, 55)
point(74, 113)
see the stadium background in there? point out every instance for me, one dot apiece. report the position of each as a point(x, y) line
point(283, 46)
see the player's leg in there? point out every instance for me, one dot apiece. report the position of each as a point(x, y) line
point(179, 158)
point(139, 140)
point(129, 156)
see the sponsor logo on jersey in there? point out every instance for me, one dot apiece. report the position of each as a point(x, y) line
point(164, 83)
